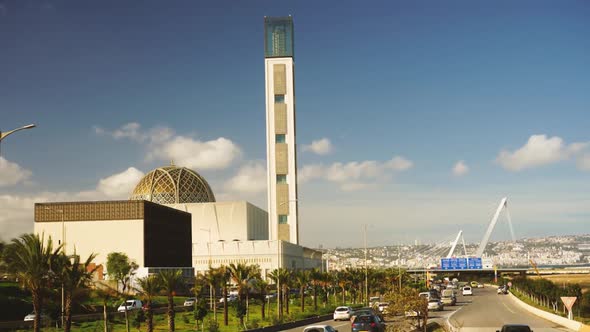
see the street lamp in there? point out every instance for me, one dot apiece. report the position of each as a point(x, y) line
point(4, 134)
point(366, 271)
point(208, 230)
point(63, 250)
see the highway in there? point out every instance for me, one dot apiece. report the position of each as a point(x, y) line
point(485, 311)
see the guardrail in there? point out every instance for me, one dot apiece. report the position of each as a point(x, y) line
point(570, 324)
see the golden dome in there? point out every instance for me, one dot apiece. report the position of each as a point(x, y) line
point(173, 185)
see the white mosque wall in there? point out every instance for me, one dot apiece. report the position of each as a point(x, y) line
point(226, 221)
point(100, 237)
point(266, 254)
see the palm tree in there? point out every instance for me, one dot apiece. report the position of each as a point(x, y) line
point(32, 261)
point(260, 287)
point(170, 280)
point(279, 276)
point(149, 287)
point(212, 278)
point(105, 294)
point(315, 277)
point(241, 274)
point(302, 280)
point(74, 277)
point(224, 277)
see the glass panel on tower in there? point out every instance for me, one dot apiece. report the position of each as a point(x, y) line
point(278, 37)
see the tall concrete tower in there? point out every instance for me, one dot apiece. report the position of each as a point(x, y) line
point(280, 129)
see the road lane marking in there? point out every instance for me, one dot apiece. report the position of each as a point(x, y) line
point(508, 308)
point(343, 324)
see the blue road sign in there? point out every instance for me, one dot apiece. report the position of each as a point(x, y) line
point(473, 263)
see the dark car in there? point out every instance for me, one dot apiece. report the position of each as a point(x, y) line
point(366, 311)
point(515, 328)
point(368, 323)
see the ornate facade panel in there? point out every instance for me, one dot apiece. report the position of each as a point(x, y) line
point(280, 118)
point(85, 211)
point(283, 198)
point(280, 79)
point(284, 232)
point(281, 158)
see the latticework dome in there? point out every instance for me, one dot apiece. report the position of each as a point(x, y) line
point(173, 185)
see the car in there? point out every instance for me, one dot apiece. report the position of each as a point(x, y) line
point(425, 295)
point(382, 307)
point(368, 323)
point(435, 304)
point(130, 305)
point(230, 298)
point(270, 296)
point(449, 297)
point(31, 317)
point(479, 285)
point(343, 313)
point(366, 311)
point(374, 300)
point(474, 284)
point(190, 302)
point(515, 328)
point(320, 328)
point(467, 291)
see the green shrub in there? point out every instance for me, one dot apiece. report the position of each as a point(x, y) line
point(212, 326)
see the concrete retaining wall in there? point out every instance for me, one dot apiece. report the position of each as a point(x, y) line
point(570, 324)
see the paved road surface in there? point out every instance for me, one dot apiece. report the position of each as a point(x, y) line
point(485, 311)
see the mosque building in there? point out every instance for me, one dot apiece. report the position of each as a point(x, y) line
point(172, 219)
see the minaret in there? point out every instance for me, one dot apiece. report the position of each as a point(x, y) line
point(280, 129)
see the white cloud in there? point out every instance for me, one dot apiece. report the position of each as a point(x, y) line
point(191, 153)
point(398, 163)
point(538, 151)
point(11, 173)
point(322, 147)
point(460, 168)
point(355, 175)
point(251, 178)
point(120, 185)
point(583, 162)
point(163, 144)
point(130, 130)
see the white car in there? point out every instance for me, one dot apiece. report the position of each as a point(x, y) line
point(131, 305)
point(31, 317)
point(190, 302)
point(435, 304)
point(320, 328)
point(467, 291)
point(342, 313)
point(230, 298)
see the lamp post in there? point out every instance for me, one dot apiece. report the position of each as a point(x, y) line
point(366, 270)
point(4, 134)
point(208, 230)
point(63, 250)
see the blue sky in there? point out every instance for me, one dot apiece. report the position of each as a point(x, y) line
point(431, 83)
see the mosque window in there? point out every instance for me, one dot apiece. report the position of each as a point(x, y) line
point(279, 99)
point(280, 138)
point(282, 219)
point(281, 178)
